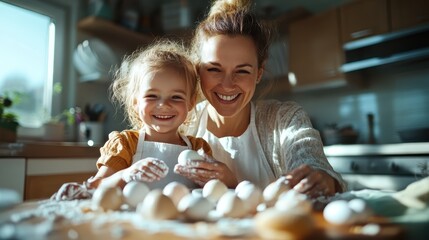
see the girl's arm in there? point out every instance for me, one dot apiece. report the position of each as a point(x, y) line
point(146, 170)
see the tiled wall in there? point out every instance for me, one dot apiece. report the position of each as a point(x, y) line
point(398, 96)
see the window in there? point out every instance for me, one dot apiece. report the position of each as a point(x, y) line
point(31, 57)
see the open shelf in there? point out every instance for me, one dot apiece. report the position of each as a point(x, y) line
point(113, 34)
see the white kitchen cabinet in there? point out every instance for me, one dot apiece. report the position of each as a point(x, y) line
point(12, 174)
point(44, 176)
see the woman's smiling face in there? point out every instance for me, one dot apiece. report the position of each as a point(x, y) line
point(229, 72)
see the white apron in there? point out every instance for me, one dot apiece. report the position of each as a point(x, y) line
point(243, 154)
point(166, 152)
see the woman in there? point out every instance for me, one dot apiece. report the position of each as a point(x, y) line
point(260, 141)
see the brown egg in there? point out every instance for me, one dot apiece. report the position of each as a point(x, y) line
point(157, 206)
point(278, 224)
point(107, 198)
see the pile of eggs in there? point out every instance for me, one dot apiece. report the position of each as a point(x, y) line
point(176, 200)
point(279, 212)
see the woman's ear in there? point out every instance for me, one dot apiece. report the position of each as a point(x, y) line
point(260, 73)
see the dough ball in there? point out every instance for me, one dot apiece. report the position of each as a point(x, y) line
point(107, 198)
point(134, 193)
point(279, 224)
point(157, 206)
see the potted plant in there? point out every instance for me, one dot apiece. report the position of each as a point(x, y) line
point(54, 127)
point(8, 121)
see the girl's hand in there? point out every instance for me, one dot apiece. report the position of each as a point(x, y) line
point(146, 170)
point(311, 182)
point(72, 191)
point(203, 171)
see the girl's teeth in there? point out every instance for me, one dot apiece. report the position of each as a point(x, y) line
point(226, 97)
point(164, 116)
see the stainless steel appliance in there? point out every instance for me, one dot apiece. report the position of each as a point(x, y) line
point(383, 167)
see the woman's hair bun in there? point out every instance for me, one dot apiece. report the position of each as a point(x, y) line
point(228, 6)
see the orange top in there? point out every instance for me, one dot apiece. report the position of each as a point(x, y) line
point(117, 153)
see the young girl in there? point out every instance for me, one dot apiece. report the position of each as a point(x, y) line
point(157, 87)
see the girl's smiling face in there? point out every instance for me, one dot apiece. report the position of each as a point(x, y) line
point(229, 73)
point(163, 103)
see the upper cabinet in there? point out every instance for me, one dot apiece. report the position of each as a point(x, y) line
point(113, 34)
point(364, 18)
point(408, 13)
point(315, 53)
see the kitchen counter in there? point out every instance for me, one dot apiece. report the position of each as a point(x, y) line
point(49, 150)
point(77, 220)
point(384, 166)
point(420, 148)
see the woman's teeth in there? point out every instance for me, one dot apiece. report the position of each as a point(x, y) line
point(227, 97)
point(164, 116)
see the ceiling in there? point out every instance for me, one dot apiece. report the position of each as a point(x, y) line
point(271, 8)
point(278, 7)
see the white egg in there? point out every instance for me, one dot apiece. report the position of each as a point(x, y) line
point(134, 193)
point(273, 191)
point(360, 208)
point(293, 200)
point(195, 208)
point(188, 155)
point(214, 189)
point(251, 196)
point(107, 198)
point(230, 205)
point(338, 212)
point(241, 185)
point(157, 206)
point(176, 191)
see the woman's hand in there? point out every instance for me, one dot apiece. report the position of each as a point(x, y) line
point(146, 170)
point(203, 171)
point(313, 183)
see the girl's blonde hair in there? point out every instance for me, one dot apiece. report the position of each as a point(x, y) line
point(144, 63)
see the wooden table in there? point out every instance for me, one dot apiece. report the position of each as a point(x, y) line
point(75, 220)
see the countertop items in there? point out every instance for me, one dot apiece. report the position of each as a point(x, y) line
point(48, 150)
point(421, 148)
